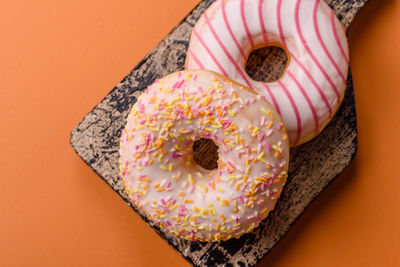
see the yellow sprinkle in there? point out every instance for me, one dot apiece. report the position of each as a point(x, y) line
point(190, 176)
point(170, 167)
point(213, 212)
point(239, 184)
point(160, 157)
point(164, 168)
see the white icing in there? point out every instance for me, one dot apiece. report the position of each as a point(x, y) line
point(303, 128)
point(163, 181)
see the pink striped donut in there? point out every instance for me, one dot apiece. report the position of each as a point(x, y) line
point(312, 87)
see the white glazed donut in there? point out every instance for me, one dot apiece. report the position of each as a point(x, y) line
point(161, 177)
point(312, 87)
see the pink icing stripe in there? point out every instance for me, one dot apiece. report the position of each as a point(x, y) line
point(311, 53)
point(337, 37)
point(242, 14)
point(321, 41)
point(274, 102)
point(210, 52)
point(230, 30)
point(261, 17)
point(312, 108)
point(296, 112)
point(198, 62)
point(231, 59)
point(321, 93)
point(323, 96)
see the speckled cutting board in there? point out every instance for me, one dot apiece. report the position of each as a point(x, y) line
point(312, 167)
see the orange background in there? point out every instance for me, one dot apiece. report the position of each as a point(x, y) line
point(58, 59)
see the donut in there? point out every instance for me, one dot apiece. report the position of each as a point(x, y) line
point(181, 197)
point(312, 86)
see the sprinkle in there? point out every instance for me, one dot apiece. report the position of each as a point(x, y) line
point(262, 121)
point(205, 102)
point(164, 168)
point(190, 177)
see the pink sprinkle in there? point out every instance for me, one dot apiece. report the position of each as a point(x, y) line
point(262, 121)
point(175, 85)
point(260, 137)
point(259, 148)
point(181, 214)
point(141, 108)
point(195, 77)
point(142, 175)
point(173, 202)
point(143, 122)
point(176, 155)
point(244, 187)
point(268, 146)
point(283, 163)
point(179, 74)
point(191, 189)
point(182, 208)
point(180, 84)
point(168, 184)
point(163, 201)
point(231, 164)
point(280, 125)
point(241, 199)
point(270, 131)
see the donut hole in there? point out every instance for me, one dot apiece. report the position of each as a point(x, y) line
point(205, 153)
point(267, 64)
